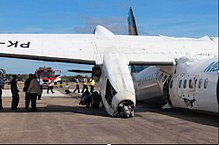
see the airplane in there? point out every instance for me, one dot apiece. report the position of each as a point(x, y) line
point(110, 56)
point(192, 83)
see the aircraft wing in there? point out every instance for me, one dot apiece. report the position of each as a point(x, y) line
point(49, 47)
point(91, 48)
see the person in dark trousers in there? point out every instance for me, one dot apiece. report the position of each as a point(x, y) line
point(25, 89)
point(33, 91)
point(92, 83)
point(1, 87)
point(85, 81)
point(14, 91)
point(67, 88)
point(50, 86)
point(77, 86)
point(85, 99)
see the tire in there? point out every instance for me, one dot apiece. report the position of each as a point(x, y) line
point(95, 100)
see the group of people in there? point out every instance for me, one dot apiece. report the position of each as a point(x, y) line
point(86, 94)
point(32, 88)
point(85, 85)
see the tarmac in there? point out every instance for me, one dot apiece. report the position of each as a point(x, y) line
point(61, 120)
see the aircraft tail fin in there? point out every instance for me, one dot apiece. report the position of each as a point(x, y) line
point(132, 28)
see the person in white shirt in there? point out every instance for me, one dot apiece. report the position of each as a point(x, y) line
point(77, 86)
point(50, 86)
point(33, 91)
point(40, 80)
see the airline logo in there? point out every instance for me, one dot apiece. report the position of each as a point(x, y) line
point(212, 67)
point(15, 44)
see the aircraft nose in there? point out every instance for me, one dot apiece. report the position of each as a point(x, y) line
point(124, 102)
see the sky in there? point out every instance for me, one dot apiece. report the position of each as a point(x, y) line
point(176, 18)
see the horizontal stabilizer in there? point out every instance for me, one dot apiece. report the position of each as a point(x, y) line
point(80, 71)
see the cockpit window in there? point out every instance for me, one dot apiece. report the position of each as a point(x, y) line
point(206, 83)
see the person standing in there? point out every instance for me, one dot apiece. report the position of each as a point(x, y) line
point(1, 87)
point(25, 89)
point(84, 84)
point(77, 86)
point(33, 91)
point(92, 83)
point(50, 86)
point(40, 80)
point(14, 91)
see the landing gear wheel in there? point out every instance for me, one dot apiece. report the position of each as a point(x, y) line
point(95, 100)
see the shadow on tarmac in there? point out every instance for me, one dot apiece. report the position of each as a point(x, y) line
point(60, 108)
point(204, 118)
point(189, 115)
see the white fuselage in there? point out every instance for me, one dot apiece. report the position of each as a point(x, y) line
point(192, 84)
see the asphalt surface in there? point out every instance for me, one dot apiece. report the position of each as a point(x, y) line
point(60, 119)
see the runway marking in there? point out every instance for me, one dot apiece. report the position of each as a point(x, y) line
point(7, 93)
point(55, 94)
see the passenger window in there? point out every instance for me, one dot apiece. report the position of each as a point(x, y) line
point(164, 78)
point(195, 82)
point(190, 84)
point(184, 84)
point(200, 83)
point(171, 83)
point(180, 83)
point(206, 83)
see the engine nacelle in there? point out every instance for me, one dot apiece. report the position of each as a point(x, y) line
point(117, 89)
